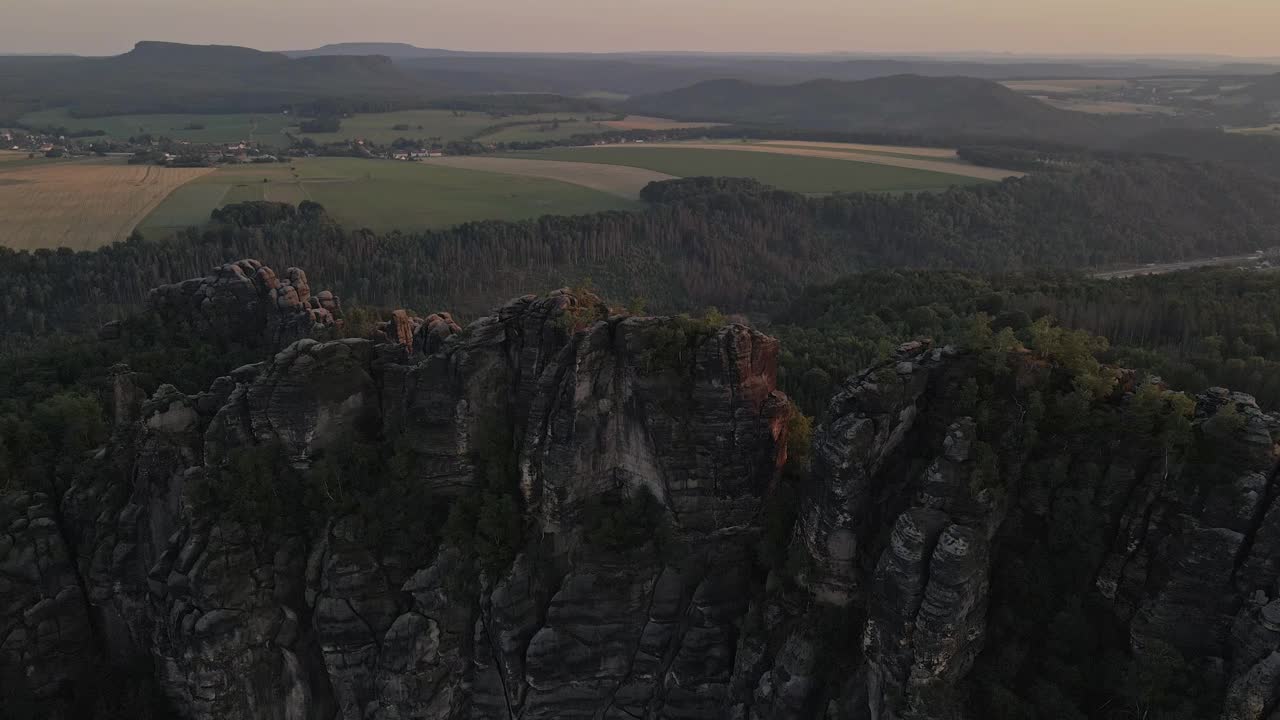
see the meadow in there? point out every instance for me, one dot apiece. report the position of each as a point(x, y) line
point(382, 194)
point(80, 204)
point(1066, 85)
point(266, 128)
point(447, 125)
point(543, 130)
point(621, 180)
point(1273, 129)
point(796, 169)
point(1107, 107)
point(272, 129)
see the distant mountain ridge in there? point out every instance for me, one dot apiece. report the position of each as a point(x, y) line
point(957, 105)
point(396, 51)
point(164, 77)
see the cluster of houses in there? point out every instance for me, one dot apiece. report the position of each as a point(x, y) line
point(417, 154)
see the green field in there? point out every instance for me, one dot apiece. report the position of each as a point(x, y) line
point(447, 125)
point(860, 151)
point(569, 126)
point(788, 172)
point(380, 194)
point(266, 128)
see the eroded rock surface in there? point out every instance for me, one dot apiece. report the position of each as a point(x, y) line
point(642, 462)
point(247, 302)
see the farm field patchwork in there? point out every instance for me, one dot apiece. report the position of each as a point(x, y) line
point(564, 126)
point(1107, 107)
point(266, 128)
point(583, 125)
point(926, 153)
point(81, 204)
point(1066, 85)
point(621, 180)
point(447, 125)
point(643, 122)
point(1273, 129)
point(797, 169)
point(383, 194)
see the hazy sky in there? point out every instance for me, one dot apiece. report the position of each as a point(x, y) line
point(1234, 27)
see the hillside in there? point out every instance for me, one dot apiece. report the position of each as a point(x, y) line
point(1265, 90)
point(642, 73)
point(395, 51)
point(157, 77)
point(729, 244)
point(954, 105)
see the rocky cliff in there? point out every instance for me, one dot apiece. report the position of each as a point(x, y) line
point(563, 512)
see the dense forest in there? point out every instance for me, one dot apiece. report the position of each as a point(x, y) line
point(959, 105)
point(1193, 329)
point(738, 246)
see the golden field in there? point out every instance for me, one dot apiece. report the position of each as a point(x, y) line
point(81, 204)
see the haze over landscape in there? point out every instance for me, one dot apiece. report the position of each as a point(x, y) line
point(1241, 28)
point(646, 360)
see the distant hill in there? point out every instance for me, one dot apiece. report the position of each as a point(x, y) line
point(395, 51)
point(159, 77)
point(900, 103)
point(645, 73)
point(1265, 90)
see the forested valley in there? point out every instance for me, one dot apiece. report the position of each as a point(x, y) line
point(1050, 404)
point(732, 244)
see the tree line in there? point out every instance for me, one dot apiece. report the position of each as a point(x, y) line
point(738, 245)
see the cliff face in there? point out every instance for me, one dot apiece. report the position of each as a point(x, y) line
point(574, 520)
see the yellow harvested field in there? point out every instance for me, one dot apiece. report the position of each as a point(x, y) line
point(620, 180)
point(922, 163)
point(925, 152)
point(1108, 107)
point(83, 204)
point(1262, 130)
point(641, 122)
point(1064, 85)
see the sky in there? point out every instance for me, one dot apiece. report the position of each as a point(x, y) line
point(1246, 28)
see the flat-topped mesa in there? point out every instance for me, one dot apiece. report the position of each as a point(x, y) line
point(246, 302)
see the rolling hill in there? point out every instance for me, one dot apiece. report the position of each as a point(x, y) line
point(899, 103)
point(161, 77)
point(1266, 89)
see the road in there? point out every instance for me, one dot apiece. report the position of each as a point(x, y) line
point(1162, 268)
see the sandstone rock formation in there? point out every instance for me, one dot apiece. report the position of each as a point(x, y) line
point(640, 463)
point(246, 302)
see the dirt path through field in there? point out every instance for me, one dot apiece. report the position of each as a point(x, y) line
point(949, 168)
point(621, 180)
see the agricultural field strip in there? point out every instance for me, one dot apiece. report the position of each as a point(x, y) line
point(390, 195)
point(645, 122)
point(622, 180)
point(85, 204)
point(938, 166)
point(953, 158)
point(923, 152)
